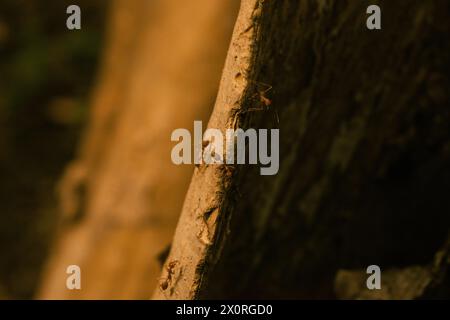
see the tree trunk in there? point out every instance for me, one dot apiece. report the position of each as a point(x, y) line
point(121, 197)
point(364, 153)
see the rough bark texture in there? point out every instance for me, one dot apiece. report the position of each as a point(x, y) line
point(365, 152)
point(430, 281)
point(121, 198)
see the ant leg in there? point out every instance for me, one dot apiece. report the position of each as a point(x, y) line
point(268, 87)
point(245, 75)
point(276, 114)
point(254, 109)
point(235, 120)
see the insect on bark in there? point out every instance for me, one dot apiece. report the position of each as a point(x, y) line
point(165, 282)
point(263, 101)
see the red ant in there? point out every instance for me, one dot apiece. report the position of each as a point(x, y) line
point(264, 102)
point(170, 273)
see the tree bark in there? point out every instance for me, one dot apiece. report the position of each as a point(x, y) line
point(364, 152)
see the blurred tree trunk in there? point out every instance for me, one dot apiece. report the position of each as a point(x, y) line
point(121, 197)
point(364, 153)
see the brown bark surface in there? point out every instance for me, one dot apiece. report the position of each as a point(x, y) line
point(365, 148)
point(121, 197)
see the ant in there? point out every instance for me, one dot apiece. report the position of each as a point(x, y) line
point(263, 100)
point(261, 95)
point(170, 273)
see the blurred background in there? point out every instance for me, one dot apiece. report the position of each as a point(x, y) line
point(46, 75)
point(86, 117)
